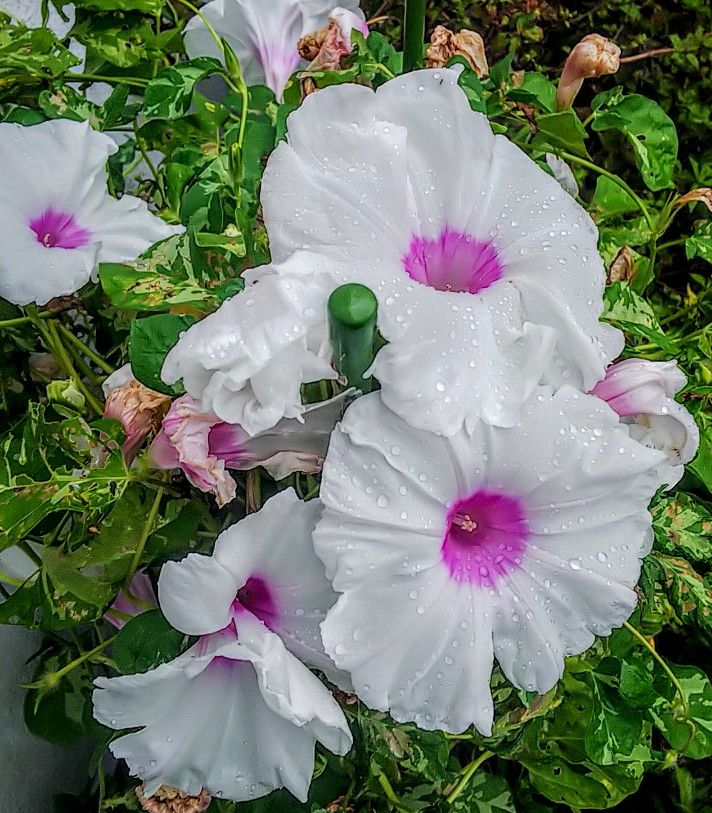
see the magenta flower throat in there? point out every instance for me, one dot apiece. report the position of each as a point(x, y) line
point(454, 261)
point(59, 230)
point(485, 536)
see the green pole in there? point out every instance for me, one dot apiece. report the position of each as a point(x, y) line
point(413, 34)
point(352, 312)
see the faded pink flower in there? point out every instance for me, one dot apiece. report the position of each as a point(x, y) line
point(593, 56)
point(203, 447)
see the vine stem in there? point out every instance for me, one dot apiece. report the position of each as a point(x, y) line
point(668, 671)
point(467, 774)
point(92, 355)
point(23, 320)
point(133, 81)
point(148, 527)
point(72, 665)
point(66, 361)
point(575, 159)
point(390, 793)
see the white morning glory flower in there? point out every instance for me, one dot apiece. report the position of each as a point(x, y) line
point(58, 219)
point(519, 543)
point(238, 714)
point(643, 394)
point(486, 270)
point(246, 362)
point(263, 34)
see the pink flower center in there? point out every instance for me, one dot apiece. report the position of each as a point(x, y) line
point(59, 230)
point(485, 537)
point(454, 261)
point(256, 596)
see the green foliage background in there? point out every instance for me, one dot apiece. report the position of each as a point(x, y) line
point(630, 725)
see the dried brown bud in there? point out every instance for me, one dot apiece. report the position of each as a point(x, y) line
point(310, 45)
point(170, 800)
point(622, 268)
point(701, 195)
point(445, 44)
point(139, 410)
point(593, 56)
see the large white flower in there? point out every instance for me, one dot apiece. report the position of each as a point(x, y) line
point(58, 219)
point(519, 543)
point(486, 270)
point(264, 34)
point(237, 714)
point(246, 362)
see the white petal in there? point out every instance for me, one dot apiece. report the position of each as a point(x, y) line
point(196, 594)
point(414, 161)
point(247, 361)
point(275, 545)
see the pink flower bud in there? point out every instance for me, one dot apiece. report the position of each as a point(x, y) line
point(593, 56)
point(641, 392)
point(138, 597)
point(326, 47)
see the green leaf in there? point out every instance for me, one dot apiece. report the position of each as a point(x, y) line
point(626, 309)
point(683, 527)
point(144, 642)
point(35, 53)
point(169, 95)
point(561, 131)
point(150, 340)
point(535, 89)
point(649, 130)
point(123, 40)
point(689, 593)
point(691, 737)
point(699, 244)
point(187, 273)
point(611, 199)
point(486, 793)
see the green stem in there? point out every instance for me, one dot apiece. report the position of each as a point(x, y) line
point(72, 665)
point(413, 34)
point(6, 578)
point(23, 320)
point(575, 159)
point(668, 671)
point(467, 774)
point(390, 793)
point(132, 81)
point(61, 352)
point(147, 528)
point(100, 362)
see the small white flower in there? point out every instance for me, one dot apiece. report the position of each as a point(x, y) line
point(519, 543)
point(486, 271)
point(237, 715)
point(58, 219)
point(642, 393)
point(246, 362)
point(263, 34)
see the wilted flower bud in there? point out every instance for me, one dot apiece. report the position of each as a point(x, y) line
point(445, 44)
point(138, 409)
point(326, 47)
point(641, 392)
point(593, 56)
point(170, 800)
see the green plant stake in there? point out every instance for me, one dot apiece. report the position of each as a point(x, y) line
point(413, 34)
point(352, 327)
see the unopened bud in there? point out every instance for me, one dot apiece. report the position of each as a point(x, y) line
point(593, 56)
point(445, 44)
